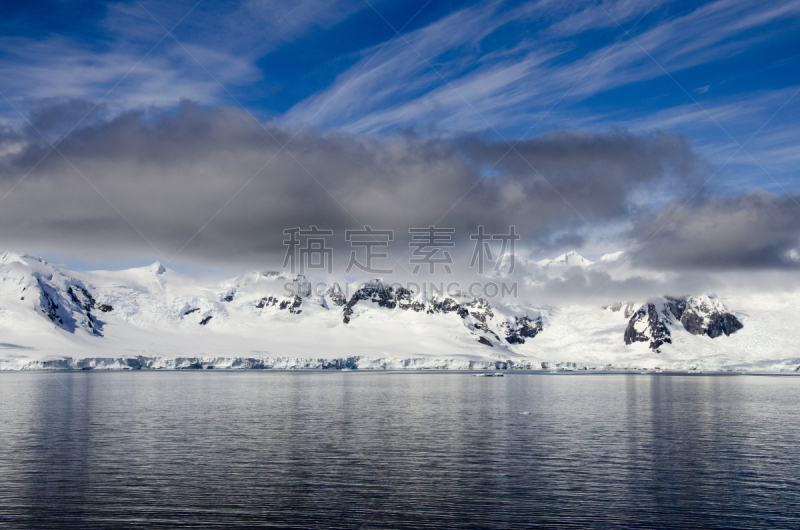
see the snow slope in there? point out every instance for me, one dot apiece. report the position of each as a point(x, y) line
point(154, 317)
point(570, 259)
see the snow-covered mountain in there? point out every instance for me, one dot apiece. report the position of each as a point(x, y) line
point(154, 317)
point(702, 315)
point(570, 259)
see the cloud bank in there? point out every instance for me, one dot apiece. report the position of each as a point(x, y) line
point(754, 230)
point(216, 186)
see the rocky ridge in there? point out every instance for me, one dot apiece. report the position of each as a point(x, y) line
point(149, 298)
point(700, 315)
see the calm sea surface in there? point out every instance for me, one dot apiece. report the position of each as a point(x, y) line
point(389, 450)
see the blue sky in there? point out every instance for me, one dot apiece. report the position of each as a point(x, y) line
point(722, 74)
point(715, 71)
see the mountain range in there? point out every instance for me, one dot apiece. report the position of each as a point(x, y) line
point(154, 317)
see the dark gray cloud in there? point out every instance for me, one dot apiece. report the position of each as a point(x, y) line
point(755, 230)
point(172, 175)
point(597, 174)
point(60, 115)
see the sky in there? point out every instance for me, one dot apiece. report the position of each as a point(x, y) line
point(196, 132)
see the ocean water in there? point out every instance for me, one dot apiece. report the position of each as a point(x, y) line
point(398, 450)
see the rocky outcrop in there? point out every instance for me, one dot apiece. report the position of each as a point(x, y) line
point(720, 324)
point(701, 315)
point(478, 314)
point(481, 312)
point(522, 328)
point(386, 296)
point(486, 342)
point(49, 303)
point(69, 308)
point(704, 315)
point(335, 295)
point(647, 324)
point(81, 296)
point(292, 305)
point(375, 292)
point(266, 302)
point(448, 305)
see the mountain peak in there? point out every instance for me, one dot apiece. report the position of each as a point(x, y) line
point(11, 256)
point(569, 259)
point(157, 268)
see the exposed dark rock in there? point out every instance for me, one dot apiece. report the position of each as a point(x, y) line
point(676, 306)
point(484, 340)
point(658, 331)
point(81, 296)
point(205, 320)
point(267, 301)
point(448, 305)
point(193, 310)
point(227, 298)
point(405, 301)
point(479, 309)
point(522, 328)
point(292, 305)
point(698, 318)
point(105, 308)
point(377, 292)
point(335, 295)
point(693, 323)
point(49, 304)
point(720, 323)
point(86, 302)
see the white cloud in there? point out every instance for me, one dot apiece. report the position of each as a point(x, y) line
point(394, 86)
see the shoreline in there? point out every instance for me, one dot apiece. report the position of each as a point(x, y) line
point(367, 364)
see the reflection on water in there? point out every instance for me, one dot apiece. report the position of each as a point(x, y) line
point(387, 450)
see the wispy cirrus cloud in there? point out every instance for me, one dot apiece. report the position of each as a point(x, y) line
point(423, 79)
point(140, 65)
